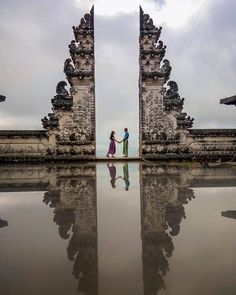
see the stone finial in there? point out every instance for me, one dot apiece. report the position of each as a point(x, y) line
point(172, 99)
point(60, 89)
point(63, 100)
point(86, 25)
point(72, 46)
point(172, 92)
point(165, 69)
point(147, 26)
point(160, 49)
point(68, 67)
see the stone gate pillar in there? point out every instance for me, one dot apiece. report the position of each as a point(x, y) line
point(71, 125)
point(163, 126)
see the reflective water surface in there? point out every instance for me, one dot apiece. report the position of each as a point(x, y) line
point(117, 228)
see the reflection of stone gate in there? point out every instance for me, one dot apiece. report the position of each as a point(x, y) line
point(71, 193)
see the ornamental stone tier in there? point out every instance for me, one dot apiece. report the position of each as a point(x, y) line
point(162, 121)
point(71, 125)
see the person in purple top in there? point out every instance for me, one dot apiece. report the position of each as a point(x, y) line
point(112, 146)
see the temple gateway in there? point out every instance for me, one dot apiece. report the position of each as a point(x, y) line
point(165, 130)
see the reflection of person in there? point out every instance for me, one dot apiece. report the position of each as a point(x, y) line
point(125, 176)
point(112, 146)
point(125, 142)
point(112, 170)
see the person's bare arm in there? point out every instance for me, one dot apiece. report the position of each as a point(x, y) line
point(117, 140)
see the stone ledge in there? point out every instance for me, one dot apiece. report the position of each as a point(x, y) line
point(167, 141)
point(18, 158)
point(23, 133)
point(167, 156)
point(79, 143)
point(212, 132)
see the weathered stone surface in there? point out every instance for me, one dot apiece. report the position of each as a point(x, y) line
point(22, 143)
point(161, 117)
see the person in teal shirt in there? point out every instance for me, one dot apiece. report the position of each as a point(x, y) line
point(125, 143)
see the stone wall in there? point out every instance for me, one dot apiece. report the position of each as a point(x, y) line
point(22, 144)
point(196, 144)
point(212, 144)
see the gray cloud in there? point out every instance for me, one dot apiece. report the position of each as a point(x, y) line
point(203, 61)
point(34, 37)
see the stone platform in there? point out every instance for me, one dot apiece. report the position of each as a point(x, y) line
point(118, 159)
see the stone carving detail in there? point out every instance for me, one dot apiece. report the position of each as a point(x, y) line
point(172, 99)
point(50, 122)
point(61, 89)
point(81, 48)
point(62, 100)
point(72, 130)
point(163, 72)
point(147, 26)
point(162, 123)
point(160, 49)
point(184, 121)
point(85, 68)
point(68, 68)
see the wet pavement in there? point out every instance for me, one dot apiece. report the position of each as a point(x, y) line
point(117, 228)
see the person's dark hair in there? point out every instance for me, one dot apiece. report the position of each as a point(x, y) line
point(112, 135)
point(126, 129)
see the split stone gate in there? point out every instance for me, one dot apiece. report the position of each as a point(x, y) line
point(165, 131)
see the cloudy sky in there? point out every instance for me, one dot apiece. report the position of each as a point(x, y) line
point(201, 45)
